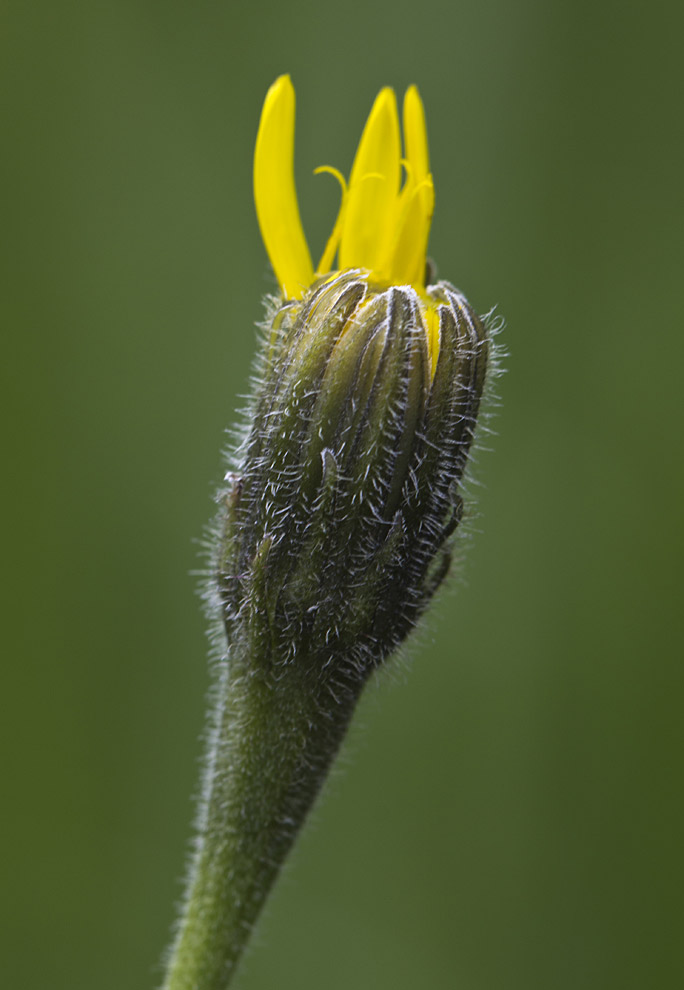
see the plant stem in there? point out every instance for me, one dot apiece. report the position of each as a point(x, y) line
point(277, 730)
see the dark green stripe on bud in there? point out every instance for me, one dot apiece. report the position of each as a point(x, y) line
point(338, 524)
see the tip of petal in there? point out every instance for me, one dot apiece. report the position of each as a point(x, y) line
point(279, 99)
point(275, 195)
point(415, 133)
point(373, 186)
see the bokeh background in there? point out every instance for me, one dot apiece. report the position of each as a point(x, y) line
point(508, 811)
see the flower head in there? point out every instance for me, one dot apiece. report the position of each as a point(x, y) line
point(340, 527)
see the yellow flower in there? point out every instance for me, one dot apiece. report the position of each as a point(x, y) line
point(382, 226)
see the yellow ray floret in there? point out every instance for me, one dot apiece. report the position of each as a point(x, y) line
point(382, 226)
point(417, 199)
point(415, 134)
point(275, 194)
point(373, 189)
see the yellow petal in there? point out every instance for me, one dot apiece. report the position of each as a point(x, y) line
point(373, 187)
point(407, 260)
point(275, 194)
point(414, 218)
point(415, 134)
point(432, 325)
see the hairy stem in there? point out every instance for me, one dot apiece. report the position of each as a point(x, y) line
point(277, 729)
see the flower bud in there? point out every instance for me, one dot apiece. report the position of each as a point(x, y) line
point(338, 524)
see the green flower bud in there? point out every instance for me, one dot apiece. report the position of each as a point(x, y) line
point(339, 522)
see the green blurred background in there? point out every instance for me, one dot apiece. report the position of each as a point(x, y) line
point(509, 812)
